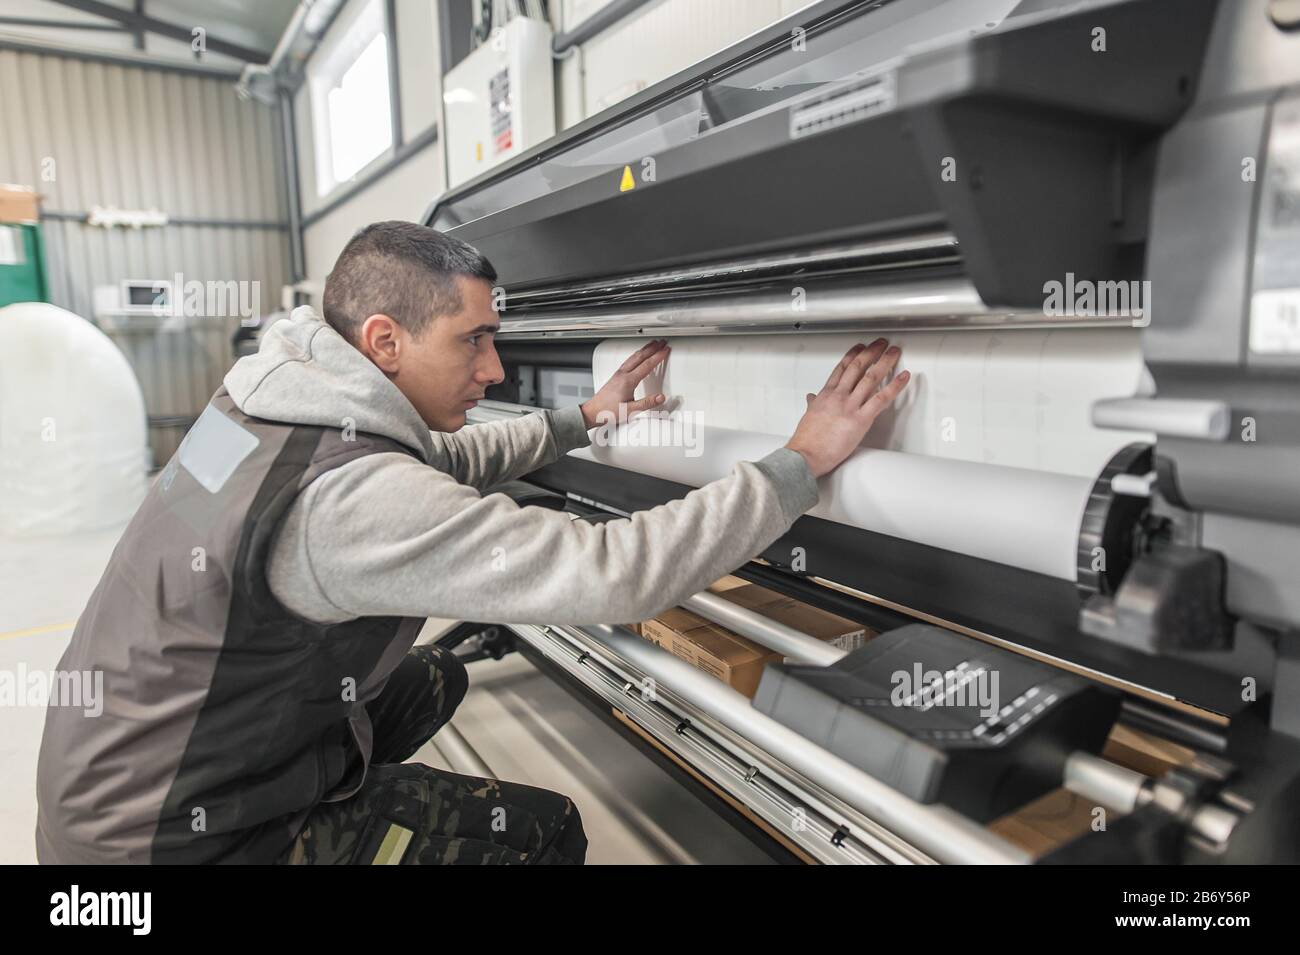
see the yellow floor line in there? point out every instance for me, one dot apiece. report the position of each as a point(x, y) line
point(33, 631)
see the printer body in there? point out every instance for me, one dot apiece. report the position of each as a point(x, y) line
point(1083, 220)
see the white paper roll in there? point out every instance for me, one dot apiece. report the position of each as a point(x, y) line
point(990, 451)
point(1015, 516)
point(1016, 397)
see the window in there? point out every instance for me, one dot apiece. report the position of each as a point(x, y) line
point(359, 129)
point(351, 99)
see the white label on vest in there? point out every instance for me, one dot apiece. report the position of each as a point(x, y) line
point(213, 449)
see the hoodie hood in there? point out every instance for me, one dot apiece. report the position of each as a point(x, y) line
point(305, 372)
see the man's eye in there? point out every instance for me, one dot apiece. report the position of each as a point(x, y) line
point(473, 340)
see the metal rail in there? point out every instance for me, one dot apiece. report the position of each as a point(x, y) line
point(824, 306)
point(939, 832)
point(821, 825)
point(926, 249)
point(785, 640)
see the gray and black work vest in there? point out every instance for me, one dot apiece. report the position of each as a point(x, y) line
point(225, 717)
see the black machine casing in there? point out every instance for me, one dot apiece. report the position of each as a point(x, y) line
point(944, 718)
point(1114, 165)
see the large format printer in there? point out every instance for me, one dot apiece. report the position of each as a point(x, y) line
point(1081, 222)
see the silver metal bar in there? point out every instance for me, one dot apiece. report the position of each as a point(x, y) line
point(394, 73)
point(34, 22)
point(457, 750)
point(772, 634)
point(927, 248)
point(292, 186)
point(306, 28)
point(822, 825)
point(1214, 825)
point(1170, 417)
point(1104, 782)
point(1134, 485)
point(938, 831)
point(71, 215)
point(934, 304)
point(1124, 789)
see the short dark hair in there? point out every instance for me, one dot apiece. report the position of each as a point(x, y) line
point(402, 270)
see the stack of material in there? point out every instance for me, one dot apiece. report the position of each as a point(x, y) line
point(731, 658)
point(22, 253)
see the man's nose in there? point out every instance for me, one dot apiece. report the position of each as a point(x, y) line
point(491, 372)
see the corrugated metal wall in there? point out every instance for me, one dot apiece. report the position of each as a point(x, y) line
point(90, 134)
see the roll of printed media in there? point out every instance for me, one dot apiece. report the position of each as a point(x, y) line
point(990, 452)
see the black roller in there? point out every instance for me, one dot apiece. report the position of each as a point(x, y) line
point(1112, 522)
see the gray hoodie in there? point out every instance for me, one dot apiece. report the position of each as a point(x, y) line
point(391, 535)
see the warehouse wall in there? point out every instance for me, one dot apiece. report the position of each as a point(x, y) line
point(88, 134)
point(93, 134)
point(651, 44)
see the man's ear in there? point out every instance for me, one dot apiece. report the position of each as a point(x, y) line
point(381, 341)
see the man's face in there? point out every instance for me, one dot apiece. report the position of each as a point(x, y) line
point(444, 371)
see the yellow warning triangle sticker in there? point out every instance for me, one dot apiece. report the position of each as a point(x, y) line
point(627, 183)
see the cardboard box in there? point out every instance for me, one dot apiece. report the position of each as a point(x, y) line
point(1143, 752)
point(18, 204)
point(1047, 823)
point(827, 627)
point(724, 584)
point(731, 658)
point(734, 660)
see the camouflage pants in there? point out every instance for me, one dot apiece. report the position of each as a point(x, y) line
point(413, 814)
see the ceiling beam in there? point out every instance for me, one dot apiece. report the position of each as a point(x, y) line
point(140, 22)
point(88, 55)
point(59, 24)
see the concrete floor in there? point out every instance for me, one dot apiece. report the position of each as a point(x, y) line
point(523, 726)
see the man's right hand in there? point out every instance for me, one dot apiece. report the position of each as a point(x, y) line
point(841, 414)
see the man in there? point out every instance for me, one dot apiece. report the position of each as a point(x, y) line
point(255, 623)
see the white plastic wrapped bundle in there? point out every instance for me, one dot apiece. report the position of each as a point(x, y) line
point(72, 425)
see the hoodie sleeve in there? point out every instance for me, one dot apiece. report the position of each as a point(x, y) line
point(386, 535)
point(484, 455)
